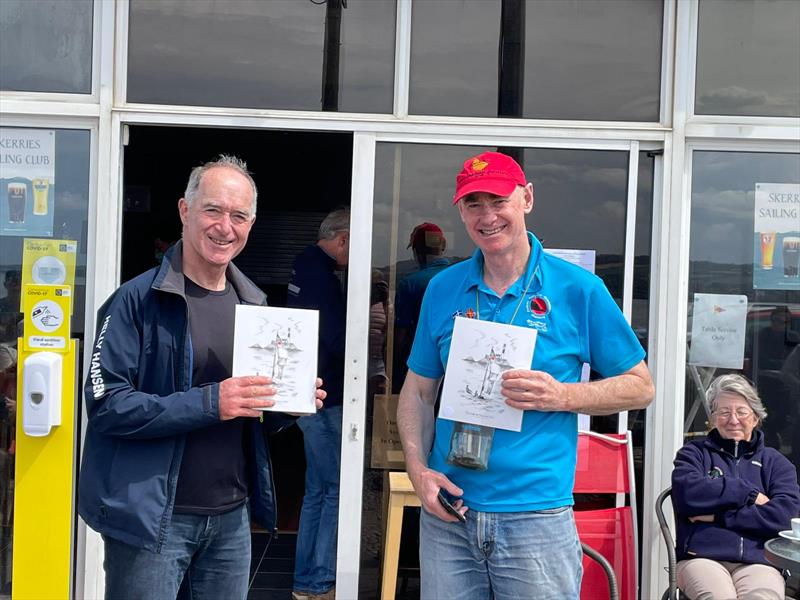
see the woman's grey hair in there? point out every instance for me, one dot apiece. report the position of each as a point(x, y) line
point(735, 384)
point(224, 160)
point(334, 223)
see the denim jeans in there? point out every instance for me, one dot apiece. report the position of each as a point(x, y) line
point(503, 556)
point(211, 552)
point(315, 557)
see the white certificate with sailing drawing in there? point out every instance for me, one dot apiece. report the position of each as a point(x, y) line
point(280, 343)
point(480, 352)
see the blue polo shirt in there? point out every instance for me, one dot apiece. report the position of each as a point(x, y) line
point(577, 322)
point(411, 289)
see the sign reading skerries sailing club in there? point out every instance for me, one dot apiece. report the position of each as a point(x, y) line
point(776, 237)
point(27, 180)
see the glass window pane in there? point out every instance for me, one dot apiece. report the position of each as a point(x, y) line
point(726, 258)
point(454, 74)
point(559, 59)
point(593, 60)
point(580, 203)
point(46, 46)
point(65, 217)
point(278, 54)
point(748, 58)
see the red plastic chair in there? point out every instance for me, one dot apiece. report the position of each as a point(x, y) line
point(605, 466)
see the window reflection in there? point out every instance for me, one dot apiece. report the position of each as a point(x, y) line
point(723, 258)
point(540, 59)
point(46, 46)
point(580, 203)
point(735, 41)
point(303, 55)
point(71, 202)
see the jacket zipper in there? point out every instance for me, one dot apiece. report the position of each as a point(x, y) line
point(736, 470)
point(172, 476)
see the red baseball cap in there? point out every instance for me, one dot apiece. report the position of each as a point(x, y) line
point(426, 234)
point(489, 172)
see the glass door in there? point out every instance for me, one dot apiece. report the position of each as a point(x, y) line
point(44, 207)
point(584, 199)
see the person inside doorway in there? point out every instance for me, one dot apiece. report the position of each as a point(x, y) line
point(175, 462)
point(315, 284)
point(518, 538)
point(428, 245)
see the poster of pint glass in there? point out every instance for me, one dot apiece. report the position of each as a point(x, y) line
point(776, 243)
point(27, 180)
point(718, 331)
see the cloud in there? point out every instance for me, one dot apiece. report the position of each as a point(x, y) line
point(731, 98)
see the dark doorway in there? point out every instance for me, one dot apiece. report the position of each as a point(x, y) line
point(301, 176)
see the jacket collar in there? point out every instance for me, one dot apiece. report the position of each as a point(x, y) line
point(170, 278)
point(744, 448)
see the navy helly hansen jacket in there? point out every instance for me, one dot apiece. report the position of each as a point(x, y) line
point(141, 406)
point(721, 477)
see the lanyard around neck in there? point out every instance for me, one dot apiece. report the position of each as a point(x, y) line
point(521, 300)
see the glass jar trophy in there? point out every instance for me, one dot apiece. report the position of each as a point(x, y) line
point(470, 446)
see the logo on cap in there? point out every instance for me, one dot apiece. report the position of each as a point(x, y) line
point(470, 314)
point(540, 306)
point(478, 164)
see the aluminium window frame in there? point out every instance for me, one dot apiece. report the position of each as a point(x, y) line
point(107, 109)
point(76, 101)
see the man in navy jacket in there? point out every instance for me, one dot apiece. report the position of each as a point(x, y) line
point(315, 285)
point(175, 463)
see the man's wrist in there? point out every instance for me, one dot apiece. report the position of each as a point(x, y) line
point(415, 466)
point(568, 391)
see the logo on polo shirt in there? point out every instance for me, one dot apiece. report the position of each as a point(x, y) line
point(539, 306)
point(469, 313)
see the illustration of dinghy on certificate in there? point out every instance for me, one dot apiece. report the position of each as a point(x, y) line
point(280, 343)
point(480, 352)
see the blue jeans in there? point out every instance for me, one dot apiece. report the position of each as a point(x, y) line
point(212, 553)
point(315, 557)
point(501, 555)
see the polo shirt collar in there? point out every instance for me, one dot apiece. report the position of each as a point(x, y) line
point(475, 275)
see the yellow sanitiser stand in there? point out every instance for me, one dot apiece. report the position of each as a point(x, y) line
point(44, 506)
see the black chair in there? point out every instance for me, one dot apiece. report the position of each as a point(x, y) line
point(613, 592)
point(671, 592)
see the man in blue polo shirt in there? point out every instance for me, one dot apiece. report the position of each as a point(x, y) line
point(427, 242)
point(519, 538)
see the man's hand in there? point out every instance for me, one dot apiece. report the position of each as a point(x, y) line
point(319, 396)
point(534, 390)
point(427, 483)
point(243, 396)
point(319, 393)
point(761, 499)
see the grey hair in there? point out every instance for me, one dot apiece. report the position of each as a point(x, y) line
point(735, 384)
point(334, 223)
point(223, 160)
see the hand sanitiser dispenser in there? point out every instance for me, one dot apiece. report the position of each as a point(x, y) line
point(41, 392)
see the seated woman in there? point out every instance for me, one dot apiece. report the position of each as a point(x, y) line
point(731, 494)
